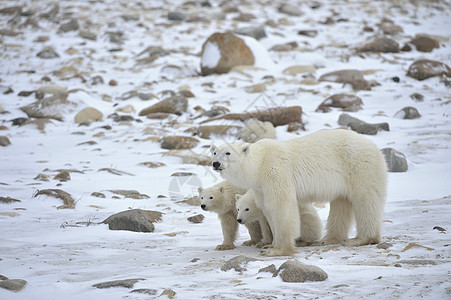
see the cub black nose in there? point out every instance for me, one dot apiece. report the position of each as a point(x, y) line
point(239, 221)
point(203, 206)
point(216, 165)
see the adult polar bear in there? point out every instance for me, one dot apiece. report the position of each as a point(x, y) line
point(336, 166)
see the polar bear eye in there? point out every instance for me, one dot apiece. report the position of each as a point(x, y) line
point(227, 153)
point(247, 209)
point(211, 197)
point(214, 153)
point(202, 198)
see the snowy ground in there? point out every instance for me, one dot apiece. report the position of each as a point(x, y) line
point(40, 244)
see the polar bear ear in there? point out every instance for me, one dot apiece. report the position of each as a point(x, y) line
point(200, 189)
point(221, 189)
point(213, 149)
point(245, 148)
point(238, 196)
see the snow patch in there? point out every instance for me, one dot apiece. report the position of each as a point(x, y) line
point(211, 55)
point(261, 55)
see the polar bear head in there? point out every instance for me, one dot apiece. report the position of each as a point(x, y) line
point(247, 210)
point(213, 199)
point(228, 159)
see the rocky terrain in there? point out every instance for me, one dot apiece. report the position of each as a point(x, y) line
point(108, 109)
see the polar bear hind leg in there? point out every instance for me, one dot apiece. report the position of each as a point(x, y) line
point(311, 225)
point(338, 223)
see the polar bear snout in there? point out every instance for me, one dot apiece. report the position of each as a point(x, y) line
point(203, 206)
point(239, 221)
point(216, 166)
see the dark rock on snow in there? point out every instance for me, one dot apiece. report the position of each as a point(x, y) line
point(408, 113)
point(133, 220)
point(179, 142)
point(384, 45)
point(196, 219)
point(294, 271)
point(424, 68)
point(173, 105)
point(126, 283)
point(361, 126)
point(4, 141)
point(344, 101)
point(14, 285)
point(396, 161)
point(237, 263)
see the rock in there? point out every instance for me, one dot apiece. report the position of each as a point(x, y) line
point(255, 130)
point(88, 35)
point(309, 33)
point(424, 68)
point(206, 131)
point(290, 9)
point(19, 121)
point(72, 25)
point(47, 53)
point(417, 97)
point(179, 142)
point(269, 269)
point(408, 113)
point(384, 45)
point(51, 13)
point(152, 165)
point(353, 77)
point(8, 200)
point(384, 246)
point(299, 69)
point(223, 51)
point(360, 126)
point(278, 116)
point(52, 107)
point(4, 141)
point(62, 176)
point(176, 16)
point(346, 102)
point(256, 88)
point(190, 157)
point(253, 31)
point(42, 177)
point(121, 118)
point(237, 263)
point(439, 228)
point(150, 292)
point(396, 161)
point(133, 194)
point(173, 105)
point(88, 115)
point(98, 195)
point(133, 220)
point(294, 271)
point(284, 47)
point(169, 293)
point(424, 44)
point(14, 285)
point(196, 219)
point(2, 109)
point(126, 283)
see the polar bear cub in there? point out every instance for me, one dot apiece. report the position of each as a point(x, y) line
point(336, 166)
point(220, 199)
point(248, 211)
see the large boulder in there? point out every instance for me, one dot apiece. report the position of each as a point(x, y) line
point(424, 68)
point(137, 220)
point(360, 126)
point(295, 271)
point(173, 105)
point(223, 51)
point(396, 161)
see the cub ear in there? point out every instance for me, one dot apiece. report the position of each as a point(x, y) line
point(213, 149)
point(238, 196)
point(200, 189)
point(221, 189)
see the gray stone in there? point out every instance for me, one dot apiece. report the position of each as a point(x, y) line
point(151, 292)
point(424, 44)
point(360, 126)
point(253, 31)
point(133, 220)
point(14, 285)
point(176, 16)
point(269, 269)
point(127, 283)
point(52, 107)
point(47, 53)
point(173, 105)
point(88, 35)
point(418, 262)
point(396, 161)
point(294, 271)
point(384, 246)
point(62, 176)
point(384, 45)
point(4, 141)
point(133, 194)
point(179, 142)
point(352, 77)
point(8, 200)
point(72, 25)
point(417, 97)
point(196, 219)
point(290, 9)
point(408, 113)
point(238, 263)
point(98, 195)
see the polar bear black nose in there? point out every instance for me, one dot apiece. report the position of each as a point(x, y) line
point(216, 165)
point(239, 221)
point(203, 206)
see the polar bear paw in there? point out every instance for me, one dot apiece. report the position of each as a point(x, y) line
point(263, 245)
point(249, 243)
point(225, 247)
point(277, 252)
point(328, 241)
point(356, 242)
point(300, 243)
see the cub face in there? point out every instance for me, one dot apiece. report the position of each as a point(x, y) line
point(211, 199)
point(226, 159)
point(247, 210)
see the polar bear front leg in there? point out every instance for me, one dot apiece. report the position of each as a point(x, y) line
point(266, 233)
point(255, 232)
point(282, 212)
point(311, 225)
point(229, 227)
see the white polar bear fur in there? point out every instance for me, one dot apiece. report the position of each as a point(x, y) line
point(310, 222)
point(336, 166)
point(220, 199)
